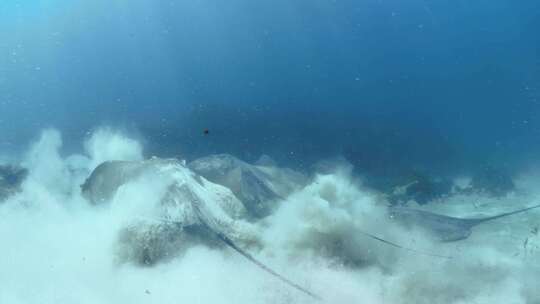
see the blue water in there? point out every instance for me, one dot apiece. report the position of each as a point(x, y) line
point(436, 104)
point(445, 86)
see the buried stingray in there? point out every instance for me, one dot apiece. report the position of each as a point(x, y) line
point(182, 197)
point(442, 227)
point(102, 185)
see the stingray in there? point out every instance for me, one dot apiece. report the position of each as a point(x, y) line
point(108, 177)
point(103, 183)
point(442, 227)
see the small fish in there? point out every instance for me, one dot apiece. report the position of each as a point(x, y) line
point(206, 131)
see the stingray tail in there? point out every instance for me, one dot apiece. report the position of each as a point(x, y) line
point(404, 248)
point(225, 239)
point(248, 256)
point(210, 224)
point(478, 221)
